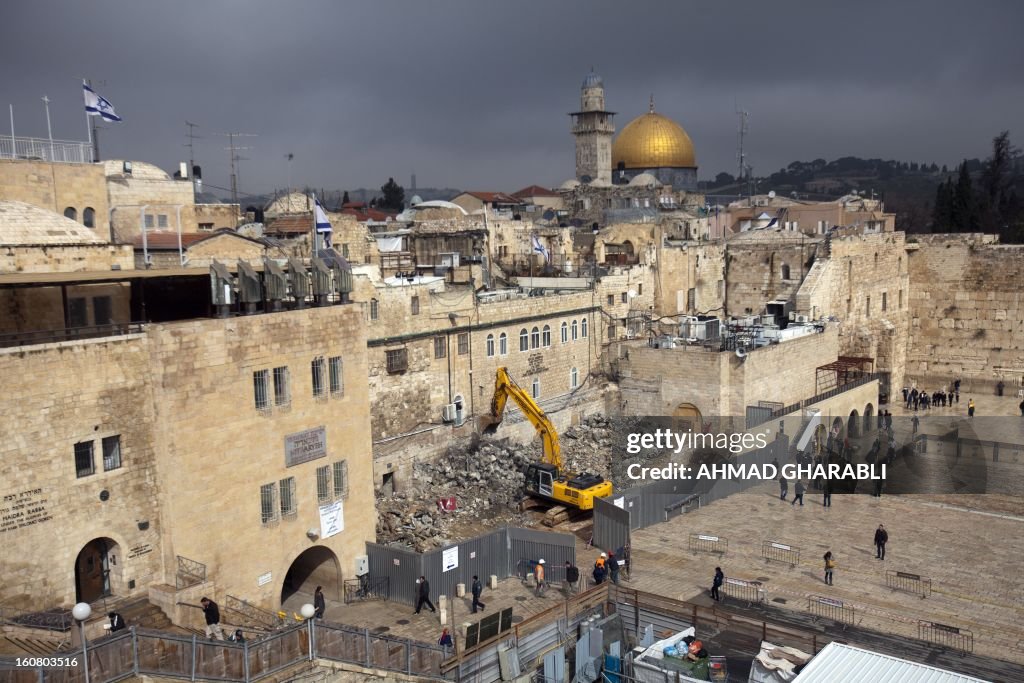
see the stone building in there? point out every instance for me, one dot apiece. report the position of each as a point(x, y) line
point(654, 145)
point(807, 217)
point(593, 128)
point(75, 191)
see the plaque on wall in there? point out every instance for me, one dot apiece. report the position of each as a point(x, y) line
point(305, 446)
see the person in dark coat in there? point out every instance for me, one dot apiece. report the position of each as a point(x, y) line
point(116, 622)
point(572, 576)
point(445, 640)
point(716, 583)
point(798, 493)
point(826, 490)
point(881, 538)
point(613, 568)
point(212, 613)
point(783, 487)
point(319, 603)
point(600, 571)
point(477, 589)
point(423, 594)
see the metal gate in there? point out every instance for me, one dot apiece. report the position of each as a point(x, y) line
point(830, 608)
point(908, 583)
point(611, 524)
point(773, 551)
point(954, 638)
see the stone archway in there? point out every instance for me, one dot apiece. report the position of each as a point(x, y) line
point(687, 415)
point(316, 566)
point(97, 573)
point(869, 414)
point(853, 424)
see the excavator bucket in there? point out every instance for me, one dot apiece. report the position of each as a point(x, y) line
point(487, 424)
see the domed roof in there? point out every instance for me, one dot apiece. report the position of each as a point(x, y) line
point(140, 169)
point(598, 182)
point(23, 224)
point(644, 179)
point(653, 141)
point(416, 199)
point(570, 184)
point(593, 81)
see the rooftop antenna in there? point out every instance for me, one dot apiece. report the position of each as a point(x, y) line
point(191, 155)
point(741, 156)
point(234, 158)
point(652, 103)
point(288, 191)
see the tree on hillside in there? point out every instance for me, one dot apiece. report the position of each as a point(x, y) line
point(942, 215)
point(964, 214)
point(394, 196)
point(724, 179)
point(996, 196)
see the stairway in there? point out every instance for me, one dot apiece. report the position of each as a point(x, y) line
point(144, 614)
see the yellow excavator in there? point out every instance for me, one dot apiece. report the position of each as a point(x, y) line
point(545, 479)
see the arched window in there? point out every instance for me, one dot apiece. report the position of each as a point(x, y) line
point(565, 332)
point(574, 378)
point(546, 337)
point(583, 328)
point(71, 213)
point(535, 338)
point(490, 345)
point(785, 271)
point(575, 331)
point(89, 217)
point(535, 389)
point(524, 340)
point(503, 344)
point(374, 309)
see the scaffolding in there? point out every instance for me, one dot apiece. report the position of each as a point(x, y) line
point(842, 371)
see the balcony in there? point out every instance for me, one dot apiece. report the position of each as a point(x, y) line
point(42, 149)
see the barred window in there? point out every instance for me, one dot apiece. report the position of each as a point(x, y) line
point(260, 380)
point(503, 344)
point(583, 328)
point(287, 489)
point(268, 507)
point(337, 375)
point(535, 338)
point(161, 220)
point(524, 340)
point(490, 345)
point(398, 361)
point(111, 453)
point(317, 368)
point(611, 299)
point(546, 336)
point(340, 479)
point(374, 309)
point(84, 465)
point(282, 393)
point(323, 484)
point(415, 305)
point(463, 343)
point(440, 347)
point(565, 332)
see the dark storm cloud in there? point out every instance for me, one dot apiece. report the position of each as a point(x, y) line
point(475, 95)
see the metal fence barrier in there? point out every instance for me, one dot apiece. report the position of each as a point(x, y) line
point(701, 543)
point(749, 591)
point(830, 608)
point(951, 637)
point(908, 583)
point(366, 588)
point(773, 551)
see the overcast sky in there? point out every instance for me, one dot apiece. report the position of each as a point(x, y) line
point(474, 94)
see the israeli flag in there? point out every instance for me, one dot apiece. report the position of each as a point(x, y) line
point(539, 248)
point(97, 105)
point(323, 225)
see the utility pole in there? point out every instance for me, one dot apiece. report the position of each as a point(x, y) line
point(740, 155)
point(49, 130)
point(234, 158)
point(191, 153)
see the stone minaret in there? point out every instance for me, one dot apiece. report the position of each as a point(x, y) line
point(593, 128)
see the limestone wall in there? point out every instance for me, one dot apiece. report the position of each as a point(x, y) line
point(56, 187)
point(128, 194)
point(697, 266)
point(71, 258)
point(215, 216)
point(967, 311)
point(37, 309)
point(763, 270)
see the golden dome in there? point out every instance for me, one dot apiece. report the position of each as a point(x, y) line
point(653, 141)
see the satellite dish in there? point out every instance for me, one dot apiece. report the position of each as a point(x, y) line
point(771, 195)
point(548, 215)
point(632, 293)
point(741, 353)
point(585, 179)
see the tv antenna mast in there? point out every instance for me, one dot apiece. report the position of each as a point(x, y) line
point(235, 158)
point(191, 155)
point(741, 156)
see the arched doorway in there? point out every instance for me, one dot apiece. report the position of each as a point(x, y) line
point(316, 566)
point(853, 426)
point(869, 413)
point(687, 416)
point(94, 568)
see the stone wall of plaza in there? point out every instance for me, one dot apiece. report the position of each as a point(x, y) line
point(194, 454)
point(34, 309)
point(61, 395)
point(217, 449)
point(57, 187)
point(717, 383)
point(690, 266)
point(62, 258)
point(967, 311)
point(761, 267)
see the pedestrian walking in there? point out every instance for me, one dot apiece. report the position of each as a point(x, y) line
point(212, 613)
point(423, 595)
point(716, 583)
point(477, 588)
point(830, 565)
point(881, 538)
point(798, 493)
point(970, 407)
point(783, 487)
point(538, 576)
point(445, 640)
point(600, 572)
point(613, 568)
point(319, 603)
point(826, 493)
point(572, 577)
point(116, 622)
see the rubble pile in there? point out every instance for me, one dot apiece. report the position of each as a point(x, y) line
point(598, 445)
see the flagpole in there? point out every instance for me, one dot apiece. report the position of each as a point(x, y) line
point(313, 234)
point(88, 124)
point(49, 130)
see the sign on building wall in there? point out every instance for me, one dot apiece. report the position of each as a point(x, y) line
point(332, 519)
point(449, 559)
point(264, 579)
point(305, 446)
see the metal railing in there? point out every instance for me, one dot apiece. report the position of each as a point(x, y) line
point(740, 589)
point(190, 573)
point(773, 551)
point(807, 402)
point(701, 543)
point(366, 588)
point(68, 334)
point(908, 583)
point(47, 620)
point(830, 608)
point(264, 618)
point(43, 149)
point(951, 637)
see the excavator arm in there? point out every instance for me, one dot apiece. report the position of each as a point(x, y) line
point(504, 388)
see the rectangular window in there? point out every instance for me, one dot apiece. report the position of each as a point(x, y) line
point(901, 299)
point(440, 347)
point(885, 302)
point(639, 288)
point(463, 343)
point(206, 227)
point(398, 361)
point(691, 299)
point(344, 250)
point(611, 299)
point(867, 308)
point(149, 220)
point(323, 484)
point(317, 369)
point(161, 221)
point(84, 465)
point(78, 312)
point(282, 393)
point(625, 298)
point(415, 304)
point(374, 309)
point(111, 453)
point(103, 310)
point(611, 332)
point(340, 479)
point(337, 372)
point(260, 380)
point(287, 489)
point(268, 506)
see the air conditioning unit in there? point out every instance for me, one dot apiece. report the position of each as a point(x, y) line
point(362, 565)
point(449, 259)
point(802, 319)
point(448, 413)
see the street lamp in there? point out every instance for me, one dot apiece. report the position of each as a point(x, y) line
point(81, 612)
point(307, 611)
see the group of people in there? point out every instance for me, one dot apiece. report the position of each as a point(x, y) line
point(915, 398)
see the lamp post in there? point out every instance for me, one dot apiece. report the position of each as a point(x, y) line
point(307, 611)
point(81, 612)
